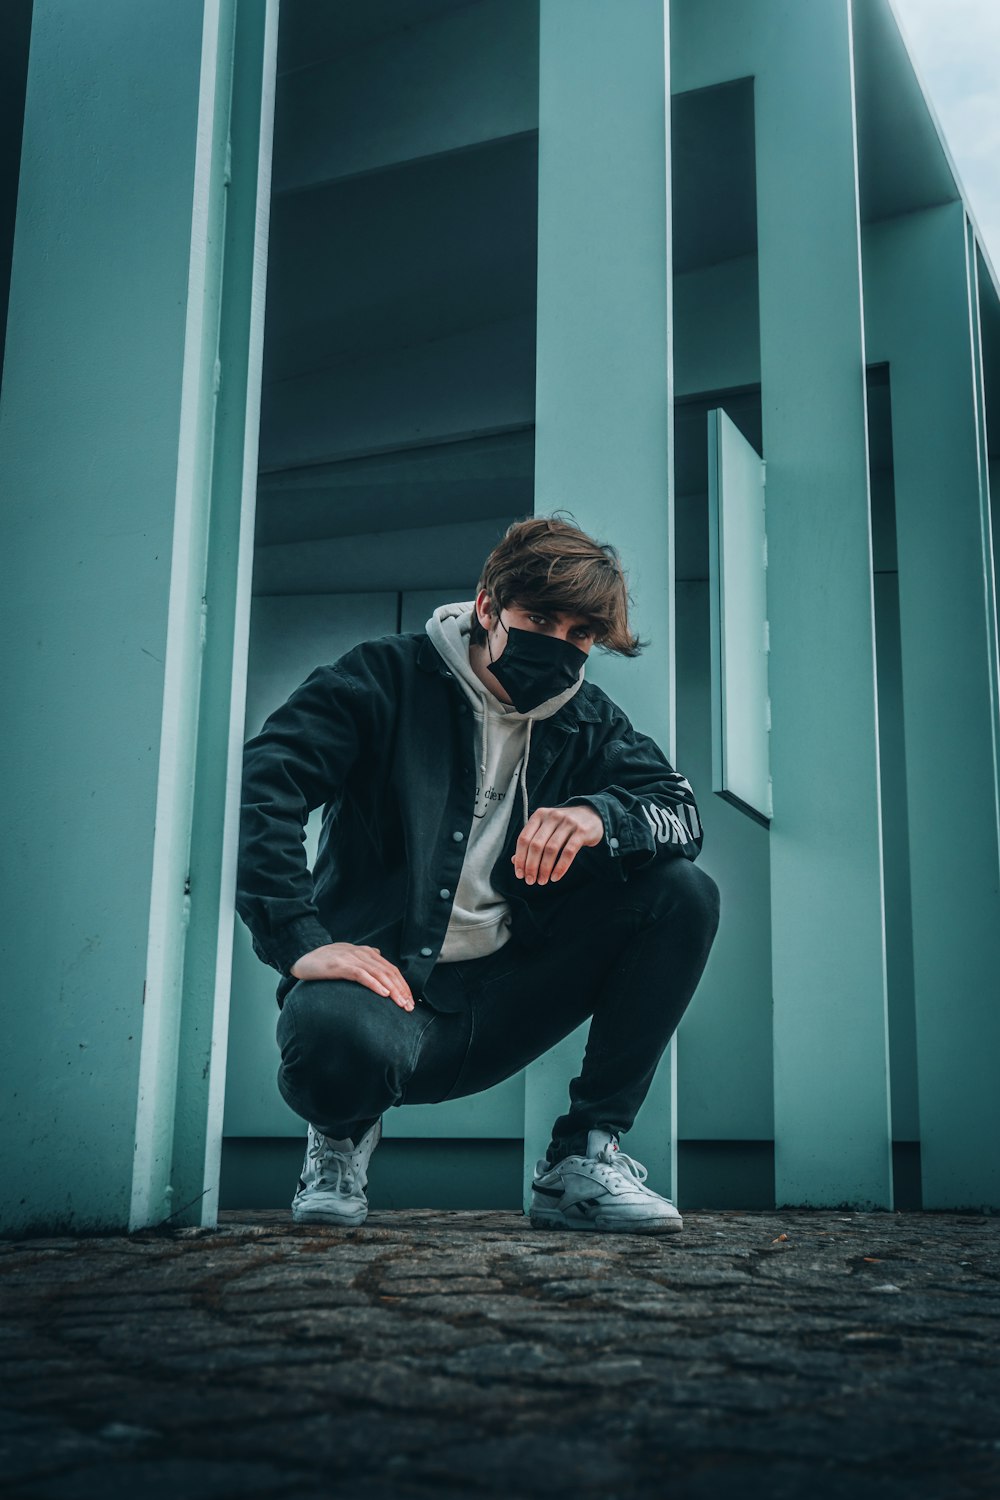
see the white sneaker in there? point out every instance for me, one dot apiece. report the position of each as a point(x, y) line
point(334, 1177)
point(603, 1190)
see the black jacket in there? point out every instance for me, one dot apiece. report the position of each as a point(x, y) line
point(382, 739)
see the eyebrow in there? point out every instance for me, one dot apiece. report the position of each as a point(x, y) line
point(557, 614)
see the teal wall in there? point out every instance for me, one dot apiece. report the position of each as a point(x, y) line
point(827, 924)
point(133, 334)
point(88, 451)
point(951, 686)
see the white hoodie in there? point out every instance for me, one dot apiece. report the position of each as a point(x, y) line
point(480, 917)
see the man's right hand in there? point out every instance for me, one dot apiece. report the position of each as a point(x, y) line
point(362, 965)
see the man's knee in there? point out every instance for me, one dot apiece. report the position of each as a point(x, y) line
point(336, 1026)
point(678, 884)
point(709, 894)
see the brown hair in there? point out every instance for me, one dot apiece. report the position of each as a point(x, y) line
point(548, 564)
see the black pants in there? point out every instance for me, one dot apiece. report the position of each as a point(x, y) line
point(629, 955)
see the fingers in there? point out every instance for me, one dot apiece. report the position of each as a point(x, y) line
point(399, 995)
point(546, 848)
point(376, 979)
point(530, 844)
point(565, 858)
point(361, 965)
point(389, 981)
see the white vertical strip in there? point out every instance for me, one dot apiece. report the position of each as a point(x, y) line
point(670, 748)
point(241, 633)
point(169, 905)
point(972, 249)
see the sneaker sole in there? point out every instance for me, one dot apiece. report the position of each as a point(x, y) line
point(542, 1220)
point(328, 1216)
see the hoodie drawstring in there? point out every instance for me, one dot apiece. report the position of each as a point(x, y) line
point(486, 751)
point(524, 771)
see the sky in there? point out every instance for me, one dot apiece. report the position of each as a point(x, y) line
point(956, 48)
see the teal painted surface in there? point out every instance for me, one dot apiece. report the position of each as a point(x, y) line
point(401, 294)
point(895, 842)
point(716, 326)
point(484, 477)
point(738, 583)
point(172, 898)
point(724, 1042)
point(458, 1174)
point(440, 1174)
point(197, 1123)
point(947, 614)
point(182, 1060)
point(463, 78)
point(89, 454)
point(603, 392)
point(377, 560)
point(724, 1048)
point(602, 407)
point(832, 1133)
point(892, 777)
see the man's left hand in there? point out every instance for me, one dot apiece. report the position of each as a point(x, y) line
point(551, 839)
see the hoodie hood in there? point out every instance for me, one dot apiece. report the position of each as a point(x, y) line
point(450, 630)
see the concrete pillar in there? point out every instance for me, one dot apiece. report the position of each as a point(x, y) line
point(922, 315)
point(831, 1089)
point(603, 398)
point(128, 453)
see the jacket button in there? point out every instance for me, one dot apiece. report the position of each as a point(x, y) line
point(426, 952)
point(458, 836)
point(444, 893)
point(612, 843)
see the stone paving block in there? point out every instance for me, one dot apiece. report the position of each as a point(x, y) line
point(46, 1446)
point(166, 1478)
point(346, 1442)
point(504, 1360)
point(294, 1307)
point(785, 1480)
point(427, 1286)
point(501, 1307)
point(527, 1464)
point(184, 1414)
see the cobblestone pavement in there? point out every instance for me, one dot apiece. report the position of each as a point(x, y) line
point(426, 1354)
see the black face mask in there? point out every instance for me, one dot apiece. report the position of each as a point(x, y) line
point(535, 667)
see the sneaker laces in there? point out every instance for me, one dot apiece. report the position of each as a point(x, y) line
point(613, 1156)
point(332, 1167)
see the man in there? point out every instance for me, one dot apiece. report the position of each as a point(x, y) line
point(502, 855)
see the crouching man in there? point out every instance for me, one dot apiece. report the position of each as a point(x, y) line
point(502, 856)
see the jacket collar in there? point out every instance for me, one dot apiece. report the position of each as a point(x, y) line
point(578, 710)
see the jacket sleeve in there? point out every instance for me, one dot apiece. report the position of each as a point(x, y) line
point(297, 762)
point(648, 809)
